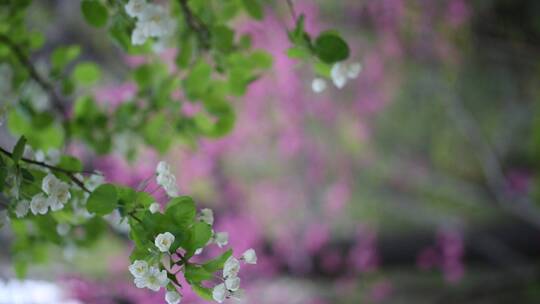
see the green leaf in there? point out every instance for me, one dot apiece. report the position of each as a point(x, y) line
point(200, 233)
point(186, 53)
point(63, 56)
point(87, 73)
point(18, 150)
point(217, 263)
point(197, 82)
point(158, 132)
point(331, 48)
point(70, 163)
point(103, 200)
point(223, 38)
point(197, 274)
point(254, 8)
point(298, 53)
point(181, 211)
point(95, 13)
point(203, 292)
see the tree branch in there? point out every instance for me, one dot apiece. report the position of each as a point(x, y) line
point(69, 173)
point(196, 24)
point(29, 66)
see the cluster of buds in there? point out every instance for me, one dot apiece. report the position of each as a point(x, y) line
point(341, 73)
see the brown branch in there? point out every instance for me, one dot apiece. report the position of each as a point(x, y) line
point(69, 173)
point(29, 66)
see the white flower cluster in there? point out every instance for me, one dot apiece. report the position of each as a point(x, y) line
point(340, 74)
point(56, 195)
point(230, 288)
point(153, 21)
point(152, 277)
point(51, 157)
point(146, 276)
point(166, 179)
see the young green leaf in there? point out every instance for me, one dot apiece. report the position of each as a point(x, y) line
point(18, 150)
point(103, 200)
point(87, 73)
point(331, 48)
point(254, 8)
point(94, 13)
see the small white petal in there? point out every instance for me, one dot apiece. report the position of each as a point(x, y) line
point(39, 204)
point(164, 241)
point(318, 85)
point(173, 297)
point(163, 167)
point(22, 208)
point(339, 74)
point(232, 284)
point(250, 257)
point(154, 208)
point(221, 239)
point(207, 216)
point(63, 229)
point(135, 8)
point(231, 267)
point(139, 268)
point(354, 70)
point(219, 293)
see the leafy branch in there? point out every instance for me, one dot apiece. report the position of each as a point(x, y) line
point(32, 71)
point(69, 173)
point(196, 24)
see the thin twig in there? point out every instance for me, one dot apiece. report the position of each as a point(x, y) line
point(489, 162)
point(292, 10)
point(69, 173)
point(29, 66)
point(196, 24)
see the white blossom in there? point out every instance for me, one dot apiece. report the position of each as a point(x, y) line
point(318, 85)
point(154, 279)
point(166, 179)
point(154, 208)
point(207, 216)
point(49, 183)
point(341, 73)
point(231, 267)
point(237, 295)
point(163, 167)
point(94, 181)
point(35, 95)
point(156, 21)
point(164, 241)
point(39, 204)
point(221, 239)
point(232, 283)
point(52, 157)
point(250, 257)
point(57, 190)
point(22, 208)
point(153, 21)
point(139, 269)
point(173, 297)
point(219, 293)
point(135, 8)
point(63, 229)
point(354, 70)
point(138, 35)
